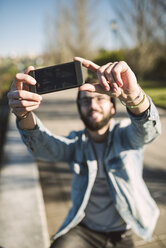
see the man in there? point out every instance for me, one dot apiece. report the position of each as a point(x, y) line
point(109, 196)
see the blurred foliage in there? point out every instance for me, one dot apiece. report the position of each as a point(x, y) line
point(149, 84)
point(7, 71)
point(156, 69)
point(10, 66)
point(158, 96)
point(156, 90)
point(105, 57)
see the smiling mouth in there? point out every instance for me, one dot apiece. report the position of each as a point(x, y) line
point(94, 114)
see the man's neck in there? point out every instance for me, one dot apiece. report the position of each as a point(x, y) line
point(99, 135)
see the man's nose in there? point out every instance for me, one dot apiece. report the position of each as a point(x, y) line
point(93, 103)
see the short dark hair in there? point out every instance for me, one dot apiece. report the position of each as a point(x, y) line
point(94, 81)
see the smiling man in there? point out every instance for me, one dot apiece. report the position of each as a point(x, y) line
point(109, 197)
point(96, 111)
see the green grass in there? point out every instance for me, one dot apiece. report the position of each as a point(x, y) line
point(152, 84)
point(158, 96)
point(156, 90)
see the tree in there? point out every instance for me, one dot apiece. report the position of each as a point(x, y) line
point(144, 21)
point(70, 31)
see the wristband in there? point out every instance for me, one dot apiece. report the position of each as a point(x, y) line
point(23, 117)
point(134, 106)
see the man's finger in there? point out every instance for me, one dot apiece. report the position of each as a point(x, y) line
point(88, 87)
point(21, 110)
point(88, 64)
point(22, 103)
point(20, 78)
point(23, 94)
point(93, 88)
point(30, 68)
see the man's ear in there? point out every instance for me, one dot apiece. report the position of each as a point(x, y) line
point(113, 111)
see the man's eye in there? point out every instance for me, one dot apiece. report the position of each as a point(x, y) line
point(84, 100)
point(87, 99)
point(100, 99)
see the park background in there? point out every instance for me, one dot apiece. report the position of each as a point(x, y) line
point(43, 33)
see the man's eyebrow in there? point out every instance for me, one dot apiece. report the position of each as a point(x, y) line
point(85, 97)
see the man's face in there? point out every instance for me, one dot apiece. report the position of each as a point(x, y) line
point(96, 110)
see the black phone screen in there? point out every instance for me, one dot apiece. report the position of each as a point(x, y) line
point(58, 77)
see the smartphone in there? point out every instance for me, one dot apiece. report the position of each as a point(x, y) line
point(57, 77)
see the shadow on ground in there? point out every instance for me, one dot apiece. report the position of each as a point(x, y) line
point(156, 182)
point(53, 177)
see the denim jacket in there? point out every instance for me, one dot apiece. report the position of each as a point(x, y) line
point(123, 160)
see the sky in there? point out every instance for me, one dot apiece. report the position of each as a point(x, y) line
point(22, 25)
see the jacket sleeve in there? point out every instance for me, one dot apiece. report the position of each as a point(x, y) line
point(142, 129)
point(48, 147)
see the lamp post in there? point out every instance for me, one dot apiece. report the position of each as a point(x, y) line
point(114, 28)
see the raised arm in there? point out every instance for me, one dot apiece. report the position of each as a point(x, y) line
point(117, 80)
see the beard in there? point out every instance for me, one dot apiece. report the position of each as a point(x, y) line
point(93, 125)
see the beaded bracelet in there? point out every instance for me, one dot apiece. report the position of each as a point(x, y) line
point(134, 106)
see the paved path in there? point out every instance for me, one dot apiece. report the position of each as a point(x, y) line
point(19, 181)
point(22, 211)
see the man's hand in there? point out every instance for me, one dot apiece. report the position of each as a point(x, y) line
point(117, 80)
point(20, 99)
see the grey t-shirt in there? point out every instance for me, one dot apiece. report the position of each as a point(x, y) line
point(100, 213)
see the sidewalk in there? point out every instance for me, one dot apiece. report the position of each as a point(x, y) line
point(22, 210)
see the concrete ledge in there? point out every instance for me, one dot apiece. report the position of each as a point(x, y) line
point(22, 212)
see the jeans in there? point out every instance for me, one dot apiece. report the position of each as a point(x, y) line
point(82, 237)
